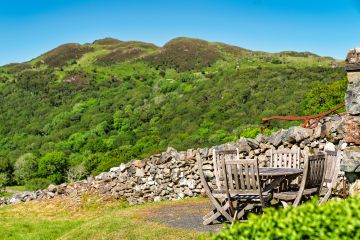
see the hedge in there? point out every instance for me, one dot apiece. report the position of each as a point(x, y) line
point(337, 219)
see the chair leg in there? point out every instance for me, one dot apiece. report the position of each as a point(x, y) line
point(235, 217)
point(285, 204)
point(214, 214)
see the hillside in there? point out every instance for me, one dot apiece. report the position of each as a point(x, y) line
point(81, 109)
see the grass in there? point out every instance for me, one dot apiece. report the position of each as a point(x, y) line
point(17, 188)
point(88, 218)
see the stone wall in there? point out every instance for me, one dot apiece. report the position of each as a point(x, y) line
point(351, 161)
point(173, 175)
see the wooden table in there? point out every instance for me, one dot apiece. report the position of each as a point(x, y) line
point(277, 175)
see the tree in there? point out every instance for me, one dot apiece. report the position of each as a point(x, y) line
point(3, 181)
point(53, 166)
point(25, 168)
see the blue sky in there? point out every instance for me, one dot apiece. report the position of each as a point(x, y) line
point(326, 27)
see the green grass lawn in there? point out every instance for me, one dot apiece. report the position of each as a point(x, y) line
point(87, 219)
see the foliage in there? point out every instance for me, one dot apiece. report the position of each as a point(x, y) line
point(4, 180)
point(53, 166)
point(325, 97)
point(25, 168)
point(37, 183)
point(61, 55)
point(336, 219)
point(75, 113)
point(185, 54)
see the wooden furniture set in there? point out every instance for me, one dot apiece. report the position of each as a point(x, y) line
point(242, 186)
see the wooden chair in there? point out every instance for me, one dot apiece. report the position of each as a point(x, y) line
point(288, 159)
point(285, 158)
point(217, 195)
point(311, 182)
point(243, 186)
point(218, 156)
point(331, 174)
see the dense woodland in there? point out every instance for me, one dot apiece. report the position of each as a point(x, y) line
point(78, 109)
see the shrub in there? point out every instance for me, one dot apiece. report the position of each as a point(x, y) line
point(25, 167)
point(37, 183)
point(3, 181)
point(338, 219)
point(62, 54)
point(53, 166)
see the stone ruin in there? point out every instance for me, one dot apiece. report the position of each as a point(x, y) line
point(173, 174)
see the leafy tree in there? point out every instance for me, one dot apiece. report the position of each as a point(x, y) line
point(53, 166)
point(25, 168)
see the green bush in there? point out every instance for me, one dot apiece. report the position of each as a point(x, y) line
point(53, 166)
point(337, 219)
point(37, 183)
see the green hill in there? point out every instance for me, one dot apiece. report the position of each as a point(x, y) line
point(86, 108)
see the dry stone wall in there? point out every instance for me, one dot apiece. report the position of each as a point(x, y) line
point(174, 175)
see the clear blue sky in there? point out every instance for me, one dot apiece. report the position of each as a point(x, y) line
point(326, 27)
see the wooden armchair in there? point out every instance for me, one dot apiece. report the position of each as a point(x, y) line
point(311, 182)
point(217, 195)
point(243, 186)
point(331, 174)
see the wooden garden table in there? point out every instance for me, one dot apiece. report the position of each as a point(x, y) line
point(277, 175)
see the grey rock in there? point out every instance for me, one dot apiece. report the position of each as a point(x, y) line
point(139, 172)
point(276, 138)
point(297, 134)
point(351, 160)
point(52, 188)
point(114, 169)
point(254, 144)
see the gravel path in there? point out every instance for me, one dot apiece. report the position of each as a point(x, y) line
point(184, 214)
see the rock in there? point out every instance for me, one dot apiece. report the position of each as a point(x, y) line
point(351, 129)
point(243, 147)
point(157, 199)
point(351, 159)
point(139, 163)
point(260, 138)
point(191, 183)
point(329, 146)
point(188, 192)
point(14, 200)
point(276, 138)
point(252, 143)
point(139, 172)
point(208, 174)
point(122, 167)
point(114, 169)
point(297, 134)
point(52, 188)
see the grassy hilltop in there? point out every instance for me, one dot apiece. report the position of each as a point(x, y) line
point(82, 109)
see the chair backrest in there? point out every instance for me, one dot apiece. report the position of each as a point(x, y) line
point(332, 166)
point(285, 158)
point(241, 176)
point(314, 171)
point(218, 156)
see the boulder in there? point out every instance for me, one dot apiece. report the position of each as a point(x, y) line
point(52, 188)
point(139, 163)
point(351, 159)
point(297, 134)
point(276, 138)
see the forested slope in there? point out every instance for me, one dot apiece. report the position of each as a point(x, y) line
point(81, 109)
